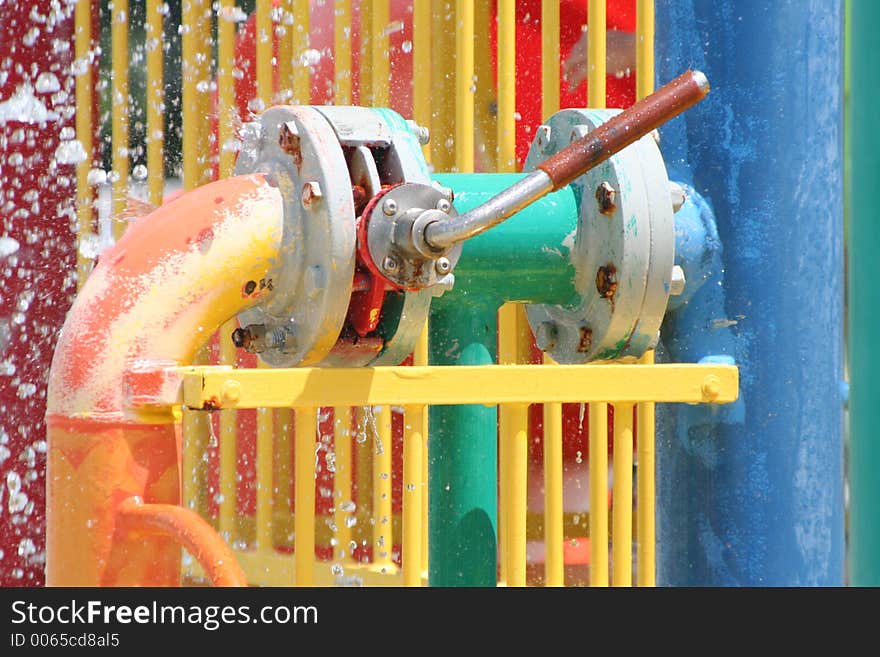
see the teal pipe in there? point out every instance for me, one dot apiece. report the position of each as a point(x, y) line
point(864, 311)
point(525, 259)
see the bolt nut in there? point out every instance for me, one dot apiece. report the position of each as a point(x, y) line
point(547, 336)
point(543, 137)
point(711, 388)
point(389, 206)
point(288, 137)
point(421, 132)
point(444, 206)
point(442, 265)
point(605, 196)
point(389, 264)
point(578, 132)
point(230, 391)
point(677, 282)
point(677, 196)
point(445, 191)
point(311, 191)
point(606, 281)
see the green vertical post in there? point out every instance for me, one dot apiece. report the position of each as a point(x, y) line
point(864, 303)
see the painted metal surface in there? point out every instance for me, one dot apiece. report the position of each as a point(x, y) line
point(756, 497)
point(153, 299)
point(864, 244)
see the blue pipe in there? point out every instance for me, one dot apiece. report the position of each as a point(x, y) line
point(753, 495)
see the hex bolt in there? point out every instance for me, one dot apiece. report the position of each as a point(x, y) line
point(251, 338)
point(421, 132)
point(445, 191)
point(605, 195)
point(389, 264)
point(710, 388)
point(444, 206)
point(311, 191)
point(543, 137)
point(288, 138)
point(389, 206)
point(547, 336)
point(442, 265)
point(230, 391)
point(606, 281)
point(677, 282)
point(677, 196)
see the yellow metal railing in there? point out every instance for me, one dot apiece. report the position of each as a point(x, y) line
point(454, 87)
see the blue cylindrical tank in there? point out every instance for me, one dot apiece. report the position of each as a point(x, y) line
point(753, 495)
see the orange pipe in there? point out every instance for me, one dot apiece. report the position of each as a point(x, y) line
point(152, 300)
point(188, 529)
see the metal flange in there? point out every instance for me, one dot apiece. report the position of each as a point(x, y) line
point(622, 250)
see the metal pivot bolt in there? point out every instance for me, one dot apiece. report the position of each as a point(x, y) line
point(421, 132)
point(605, 196)
point(389, 206)
point(443, 205)
point(389, 264)
point(311, 191)
point(677, 282)
point(443, 265)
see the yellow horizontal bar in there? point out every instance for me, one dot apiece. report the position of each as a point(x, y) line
point(216, 387)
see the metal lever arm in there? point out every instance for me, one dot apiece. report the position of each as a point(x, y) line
point(559, 170)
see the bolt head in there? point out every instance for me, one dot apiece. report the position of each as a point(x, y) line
point(442, 265)
point(547, 336)
point(543, 137)
point(677, 196)
point(389, 206)
point(677, 281)
point(311, 191)
point(444, 205)
point(605, 197)
point(389, 264)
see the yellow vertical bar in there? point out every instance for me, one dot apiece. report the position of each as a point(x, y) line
point(365, 82)
point(382, 534)
point(553, 520)
point(285, 30)
point(301, 70)
point(190, 14)
point(283, 473)
point(464, 86)
point(363, 471)
point(265, 483)
point(549, 57)
point(226, 88)
point(596, 54)
point(621, 509)
point(599, 494)
point(442, 96)
point(264, 53)
point(645, 492)
point(414, 420)
point(155, 99)
point(304, 496)
point(644, 48)
point(513, 336)
point(196, 432)
point(486, 136)
point(85, 195)
point(228, 439)
point(204, 48)
point(506, 86)
point(420, 357)
point(342, 51)
point(342, 482)
point(379, 19)
point(422, 67)
point(119, 56)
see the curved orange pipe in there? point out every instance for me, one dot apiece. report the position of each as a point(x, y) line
point(189, 530)
point(154, 297)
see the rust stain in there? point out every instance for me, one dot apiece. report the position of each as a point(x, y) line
point(212, 404)
point(606, 282)
point(605, 196)
point(585, 342)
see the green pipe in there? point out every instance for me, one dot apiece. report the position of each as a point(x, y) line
point(864, 310)
point(524, 259)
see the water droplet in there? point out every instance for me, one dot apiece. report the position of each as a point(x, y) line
point(47, 83)
point(26, 547)
point(337, 569)
point(351, 521)
point(96, 177)
point(406, 46)
point(411, 487)
point(70, 152)
point(348, 506)
point(310, 57)
point(139, 172)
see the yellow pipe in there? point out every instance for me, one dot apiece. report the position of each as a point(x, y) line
point(365, 81)
point(283, 472)
point(645, 492)
point(119, 57)
point(484, 97)
point(190, 15)
point(422, 68)
point(506, 86)
point(204, 48)
point(596, 54)
point(85, 195)
point(264, 53)
point(226, 111)
point(621, 509)
point(553, 509)
point(382, 534)
point(342, 51)
point(155, 98)
point(464, 86)
point(363, 481)
point(197, 433)
point(342, 492)
point(379, 20)
point(286, 35)
point(412, 495)
point(420, 358)
point(599, 494)
point(265, 483)
point(301, 73)
point(549, 57)
point(644, 48)
point(304, 496)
